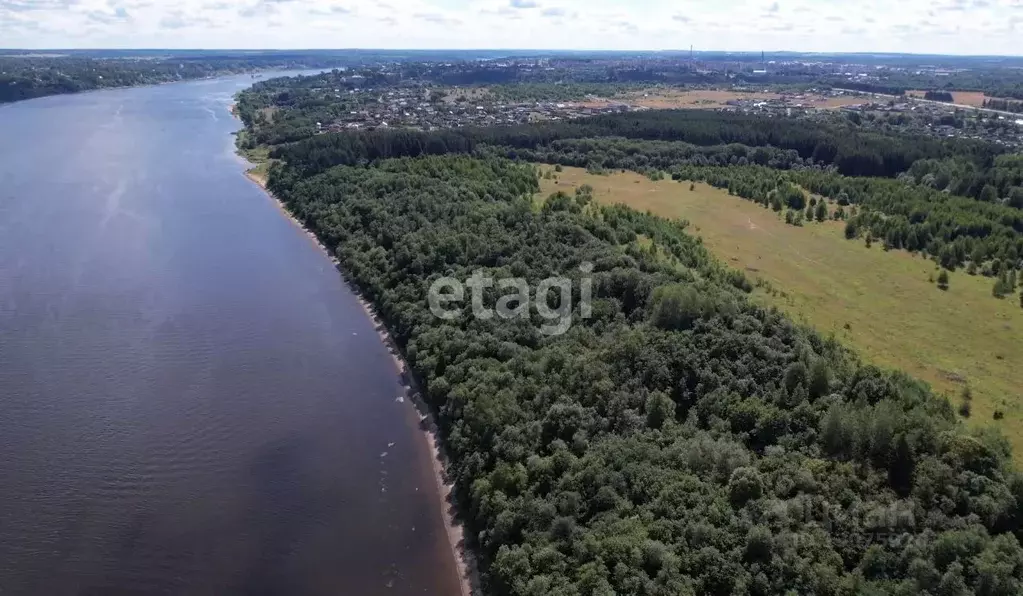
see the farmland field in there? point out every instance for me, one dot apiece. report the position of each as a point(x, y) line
point(881, 304)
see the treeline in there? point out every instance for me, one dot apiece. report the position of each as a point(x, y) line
point(527, 92)
point(617, 153)
point(681, 440)
point(944, 96)
point(1001, 182)
point(914, 212)
point(24, 77)
point(321, 152)
point(851, 150)
point(1004, 105)
point(956, 231)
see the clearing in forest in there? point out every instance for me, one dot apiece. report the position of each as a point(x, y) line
point(881, 304)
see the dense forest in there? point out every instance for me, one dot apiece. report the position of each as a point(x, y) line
point(959, 201)
point(944, 96)
point(852, 150)
point(681, 439)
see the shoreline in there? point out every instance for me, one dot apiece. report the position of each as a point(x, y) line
point(465, 565)
point(212, 77)
point(122, 87)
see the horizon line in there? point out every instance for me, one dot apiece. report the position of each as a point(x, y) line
point(530, 50)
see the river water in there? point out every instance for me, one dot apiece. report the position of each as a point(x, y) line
point(191, 401)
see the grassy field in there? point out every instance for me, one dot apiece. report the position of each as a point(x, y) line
point(881, 304)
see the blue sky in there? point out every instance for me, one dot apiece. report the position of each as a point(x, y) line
point(923, 26)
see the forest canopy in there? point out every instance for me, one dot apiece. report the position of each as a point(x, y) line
point(959, 201)
point(682, 440)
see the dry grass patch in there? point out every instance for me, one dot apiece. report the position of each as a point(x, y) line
point(881, 304)
point(969, 98)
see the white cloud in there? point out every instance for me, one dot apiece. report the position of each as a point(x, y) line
point(926, 26)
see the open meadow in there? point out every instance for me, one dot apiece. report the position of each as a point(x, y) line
point(882, 304)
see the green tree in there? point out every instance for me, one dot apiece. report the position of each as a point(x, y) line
point(820, 378)
point(759, 544)
point(900, 470)
point(953, 583)
point(659, 409)
point(1001, 286)
point(745, 485)
point(943, 280)
point(821, 211)
point(1016, 197)
point(677, 306)
point(797, 374)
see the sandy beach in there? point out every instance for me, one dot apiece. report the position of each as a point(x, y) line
point(467, 572)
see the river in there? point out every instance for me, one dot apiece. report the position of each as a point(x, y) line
point(191, 400)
